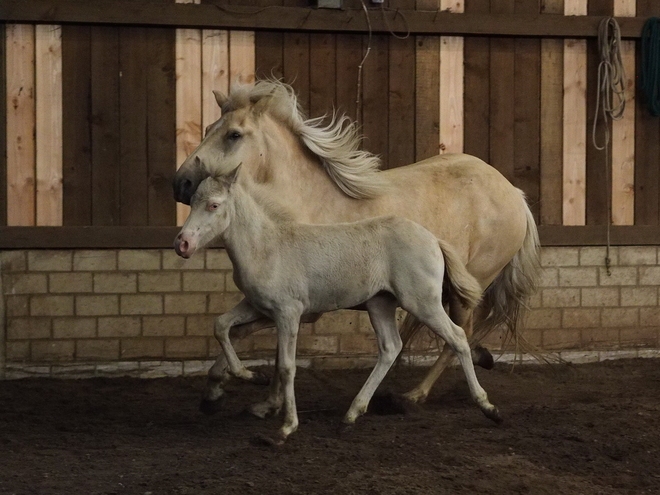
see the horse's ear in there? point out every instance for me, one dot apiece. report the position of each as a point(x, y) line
point(220, 98)
point(261, 105)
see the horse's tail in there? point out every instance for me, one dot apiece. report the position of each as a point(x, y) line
point(505, 298)
point(462, 285)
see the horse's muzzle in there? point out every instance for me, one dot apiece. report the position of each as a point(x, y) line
point(183, 190)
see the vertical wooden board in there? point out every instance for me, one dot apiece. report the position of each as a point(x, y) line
point(427, 96)
point(375, 91)
point(188, 99)
point(161, 128)
point(451, 94)
point(647, 147)
point(623, 133)
point(106, 195)
point(241, 57)
point(527, 113)
point(269, 53)
point(349, 56)
point(133, 59)
point(215, 72)
point(476, 102)
point(296, 65)
point(48, 85)
point(551, 134)
point(451, 86)
point(401, 110)
point(76, 132)
point(322, 73)
point(3, 125)
point(597, 163)
point(502, 64)
point(20, 125)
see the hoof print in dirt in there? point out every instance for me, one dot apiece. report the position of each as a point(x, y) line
point(383, 404)
point(210, 407)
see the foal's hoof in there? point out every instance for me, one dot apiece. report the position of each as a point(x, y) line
point(494, 415)
point(483, 358)
point(259, 378)
point(267, 441)
point(210, 407)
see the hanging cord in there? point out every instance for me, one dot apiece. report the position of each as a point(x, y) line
point(610, 102)
point(358, 100)
point(650, 77)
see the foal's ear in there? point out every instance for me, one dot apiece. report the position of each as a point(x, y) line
point(231, 177)
point(220, 98)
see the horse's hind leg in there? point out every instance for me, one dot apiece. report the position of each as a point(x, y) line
point(382, 313)
point(463, 318)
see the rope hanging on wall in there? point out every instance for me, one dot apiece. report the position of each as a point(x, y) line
point(610, 101)
point(650, 77)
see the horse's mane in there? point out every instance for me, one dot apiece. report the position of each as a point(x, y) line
point(356, 172)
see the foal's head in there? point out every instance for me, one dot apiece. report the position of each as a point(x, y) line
point(209, 215)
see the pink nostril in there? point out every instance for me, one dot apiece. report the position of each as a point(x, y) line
point(183, 247)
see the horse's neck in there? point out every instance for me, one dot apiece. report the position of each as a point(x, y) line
point(301, 182)
point(250, 228)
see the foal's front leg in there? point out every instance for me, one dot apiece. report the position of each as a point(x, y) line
point(288, 323)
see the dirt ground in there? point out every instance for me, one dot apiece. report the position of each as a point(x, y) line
point(589, 429)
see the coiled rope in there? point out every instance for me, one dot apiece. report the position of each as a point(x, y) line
point(610, 101)
point(650, 77)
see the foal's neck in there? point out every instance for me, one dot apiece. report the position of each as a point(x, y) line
point(250, 228)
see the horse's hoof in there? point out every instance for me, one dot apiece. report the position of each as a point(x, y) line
point(494, 415)
point(414, 397)
point(259, 378)
point(263, 410)
point(210, 407)
point(484, 359)
point(266, 441)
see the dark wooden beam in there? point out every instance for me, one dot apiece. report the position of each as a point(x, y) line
point(596, 235)
point(280, 18)
point(163, 237)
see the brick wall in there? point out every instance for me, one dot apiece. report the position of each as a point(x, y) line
point(129, 311)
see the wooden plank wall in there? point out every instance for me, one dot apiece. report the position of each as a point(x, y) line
point(135, 102)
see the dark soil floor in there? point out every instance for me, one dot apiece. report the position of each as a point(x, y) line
point(588, 429)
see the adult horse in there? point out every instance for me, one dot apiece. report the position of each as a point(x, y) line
point(322, 176)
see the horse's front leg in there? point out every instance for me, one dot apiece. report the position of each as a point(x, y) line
point(288, 323)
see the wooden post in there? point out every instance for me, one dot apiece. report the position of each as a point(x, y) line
point(575, 123)
point(20, 125)
point(188, 98)
point(48, 79)
point(451, 85)
point(623, 133)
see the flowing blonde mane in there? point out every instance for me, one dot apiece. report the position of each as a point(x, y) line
point(356, 172)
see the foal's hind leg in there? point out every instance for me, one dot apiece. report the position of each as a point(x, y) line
point(463, 318)
point(438, 320)
point(382, 313)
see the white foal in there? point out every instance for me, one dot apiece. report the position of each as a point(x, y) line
point(287, 270)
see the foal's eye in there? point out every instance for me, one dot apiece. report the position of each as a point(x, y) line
point(213, 206)
point(234, 136)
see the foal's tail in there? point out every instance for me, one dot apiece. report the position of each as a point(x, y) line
point(462, 285)
point(505, 299)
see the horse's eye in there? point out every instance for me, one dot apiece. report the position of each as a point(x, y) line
point(213, 206)
point(234, 136)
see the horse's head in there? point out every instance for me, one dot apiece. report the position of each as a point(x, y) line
point(209, 214)
point(231, 140)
